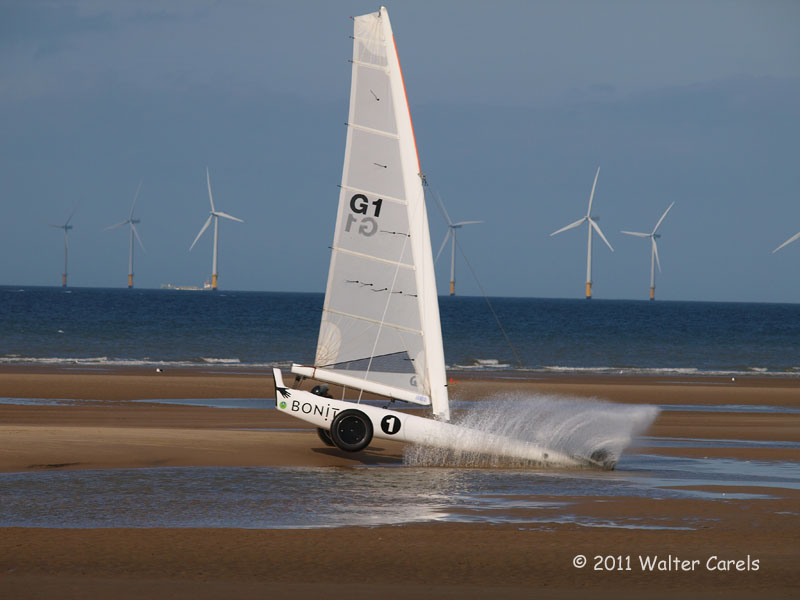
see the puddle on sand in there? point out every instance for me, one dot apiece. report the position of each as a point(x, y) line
point(290, 497)
point(673, 442)
point(734, 408)
point(258, 403)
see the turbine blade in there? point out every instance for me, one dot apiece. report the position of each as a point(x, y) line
point(787, 242)
point(210, 197)
point(227, 216)
point(636, 233)
point(591, 196)
point(655, 251)
point(208, 222)
point(662, 217)
point(117, 225)
point(444, 243)
point(70, 216)
point(570, 226)
point(597, 229)
point(135, 198)
point(443, 209)
point(136, 233)
point(460, 223)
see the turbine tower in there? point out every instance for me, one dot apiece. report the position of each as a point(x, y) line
point(132, 222)
point(451, 233)
point(787, 242)
point(653, 251)
point(592, 225)
point(66, 227)
point(215, 215)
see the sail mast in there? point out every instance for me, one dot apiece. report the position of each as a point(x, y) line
point(420, 233)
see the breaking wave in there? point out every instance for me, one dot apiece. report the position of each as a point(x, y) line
point(105, 361)
point(489, 365)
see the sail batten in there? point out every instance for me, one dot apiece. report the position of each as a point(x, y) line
point(369, 65)
point(375, 258)
point(381, 294)
point(375, 131)
point(375, 321)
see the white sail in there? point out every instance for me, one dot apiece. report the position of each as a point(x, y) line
point(380, 329)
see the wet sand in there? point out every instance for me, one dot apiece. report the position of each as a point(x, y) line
point(442, 560)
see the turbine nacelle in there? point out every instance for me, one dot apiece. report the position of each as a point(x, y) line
point(225, 216)
point(460, 224)
point(66, 226)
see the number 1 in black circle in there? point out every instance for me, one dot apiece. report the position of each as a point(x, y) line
point(390, 424)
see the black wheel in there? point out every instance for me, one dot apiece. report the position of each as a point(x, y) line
point(351, 431)
point(325, 436)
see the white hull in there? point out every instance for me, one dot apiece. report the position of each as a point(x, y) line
point(400, 426)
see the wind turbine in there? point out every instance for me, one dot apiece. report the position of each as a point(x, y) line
point(132, 222)
point(66, 227)
point(215, 215)
point(451, 233)
point(787, 242)
point(592, 225)
point(653, 251)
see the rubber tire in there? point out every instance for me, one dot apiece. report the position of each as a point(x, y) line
point(351, 430)
point(325, 436)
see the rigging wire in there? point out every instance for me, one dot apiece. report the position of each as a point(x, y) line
point(488, 303)
point(491, 308)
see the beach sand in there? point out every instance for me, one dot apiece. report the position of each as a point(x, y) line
point(101, 428)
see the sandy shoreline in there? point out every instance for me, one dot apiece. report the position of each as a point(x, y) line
point(439, 560)
point(141, 383)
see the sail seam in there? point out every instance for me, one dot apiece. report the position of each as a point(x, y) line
point(374, 321)
point(369, 193)
point(361, 63)
point(367, 40)
point(380, 132)
point(375, 258)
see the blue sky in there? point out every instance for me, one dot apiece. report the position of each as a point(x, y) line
point(515, 104)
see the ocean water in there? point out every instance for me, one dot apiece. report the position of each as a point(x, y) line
point(97, 328)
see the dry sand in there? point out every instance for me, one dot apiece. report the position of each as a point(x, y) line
point(430, 561)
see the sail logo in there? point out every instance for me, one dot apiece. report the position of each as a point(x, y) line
point(307, 408)
point(360, 205)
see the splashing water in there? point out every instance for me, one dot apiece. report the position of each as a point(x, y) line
point(593, 430)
